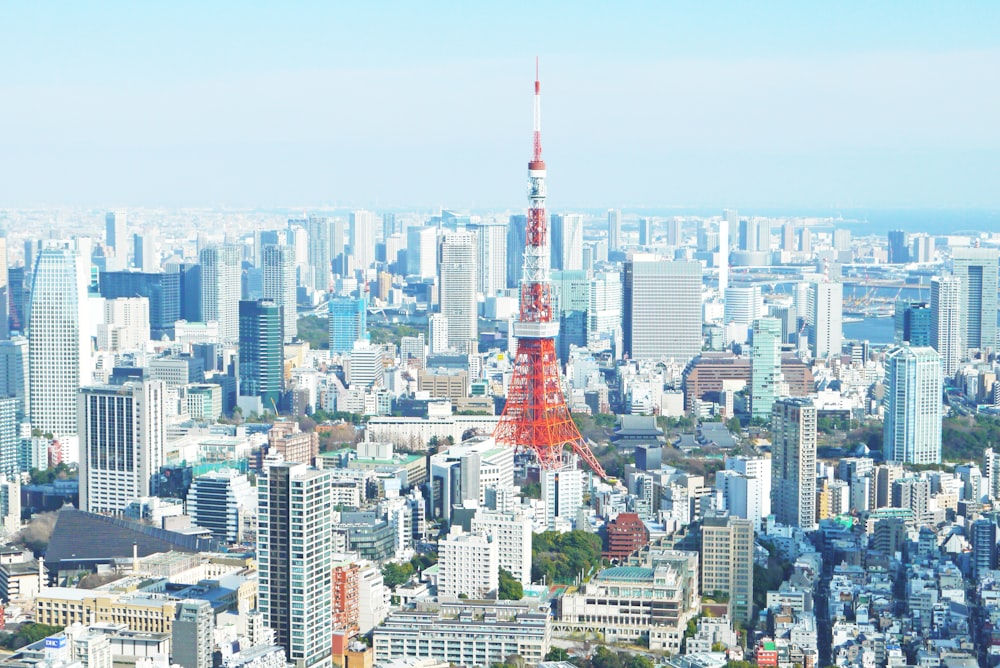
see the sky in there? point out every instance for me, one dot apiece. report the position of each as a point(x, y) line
point(427, 104)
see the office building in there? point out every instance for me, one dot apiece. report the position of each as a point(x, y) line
point(294, 559)
point(457, 299)
point(567, 241)
point(947, 322)
point(912, 323)
point(122, 441)
point(976, 268)
point(899, 249)
point(192, 635)
point(220, 288)
point(221, 501)
point(604, 316)
point(743, 305)
point(14, 374)
point(421, 251)
point(727, 546)
point(59, 348)
point(437, 331)
point(645, 231)
point(279, 286)
point(125, 326)
point(842, 240)
point(674, 230)
point(983, 536)
point(614, 229)
point(793, 463)
point(469, 565)
point(749, 495)
point(348, 323)
point(912, 424)
point(10, 438)
point(766, 382)
point(662, 310)
point(491, 251)
point(262, 355)
point(116, 236)
point(754, 234)
point(366, 368)
point(144, 253)
point(517, 229)
point(562, 494)
point(320, 252)
point(163, 290)
point(922, 249)
point(363, 239)
point(511, 531)
point(825, 318)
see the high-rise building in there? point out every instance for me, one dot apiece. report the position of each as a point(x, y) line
point(122, 443)
point(765, 367)
point(59, 348)
point(116, 235)
point(614, 229)
point(899, 250)
point(517, 226)
point(437, 333)
point(567, 241)
point(842, 240)
point(348, 323)
point(922, 248)
point(645, 231)
point(976, 268)
point(743, 305)
point(491, 265)
point(912, 425)
point(319, 252)
point(220, 501)
point(262, 355)
point(946, 322)
point(562, 494)
point(913, 323)
point(793, 463)
point(363, 239)
point(366, 369)
point(754, 234)
point(826, 318)
point(144, 253)
point(279, 285)
point(14, 374)
point(728, 223)
point(469, 565)
point(674, 231)
point(220, 288)
point(163, 290)
point(458, 300)
point(755, 503)
point(421, 251)
point(662, 310)
point(604, 316)
point(511, 531)
point(983, 536)
point(10, 438)
point(727, 546)
point(294, 559)
point(192, 634)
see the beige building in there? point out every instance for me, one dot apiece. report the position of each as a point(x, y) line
point(62, 606)
point(727, 562)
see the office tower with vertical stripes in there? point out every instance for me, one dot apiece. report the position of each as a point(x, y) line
point(912, 423)
point(279, 285)
point(793, 462)
point(221, 268)
point(946, 322)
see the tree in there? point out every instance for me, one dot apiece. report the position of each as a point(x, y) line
point(509, 589)
point(733, 425)
point(396, 574)
point(557, 654)
point(605, 658)
point(636, 661)
point(28, 633)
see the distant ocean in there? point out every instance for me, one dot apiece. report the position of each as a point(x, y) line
point(877, 331)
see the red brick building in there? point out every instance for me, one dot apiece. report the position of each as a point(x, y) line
point(624, 535)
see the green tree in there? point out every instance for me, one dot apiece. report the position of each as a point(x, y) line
point(28, 633)
point(509, 589)
point(557, 654)
point(605, 658)
point(733, 425)
point(396, 574)
point(635, 661)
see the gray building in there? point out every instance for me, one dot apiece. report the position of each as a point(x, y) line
point(662, 309)
point(976, 268)
point(192, 641)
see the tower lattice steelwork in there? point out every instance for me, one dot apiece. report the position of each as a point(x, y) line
point(536, 416)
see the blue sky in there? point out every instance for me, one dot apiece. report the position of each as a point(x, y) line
point(773, 104)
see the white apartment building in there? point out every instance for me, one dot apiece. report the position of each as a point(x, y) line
point(562, 494)
point(512, 534)
point(126, 325)
point(469, 564)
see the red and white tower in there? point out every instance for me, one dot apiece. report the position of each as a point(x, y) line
point(536, 416)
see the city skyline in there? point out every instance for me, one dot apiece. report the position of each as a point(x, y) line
point(853, 108)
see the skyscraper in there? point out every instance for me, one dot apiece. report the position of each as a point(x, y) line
point(144, 252)
point(662, 309)
point(458, 300)
point(744, 304)
point(262, 359)
point(516, 230)
point(14, 374)
point(122, 441)
point(220, 288)
point(793, 462)
point(491, 249)
point(567, 241)
point(363, 239)
point(946, 322)
point(826, 318)
point(320, 251)
point(645, 231)
point(765, 367)
point(977, 268)
point(116, 231)
point(898, 250)
point(162, 289)
point(912, 425)
point(723, 262)
point(674, 229)
point(727, 546)
point(294, 559)
point(912, 323)
point(59, 348)
point(279, 285)
point(421, 252)
point(219, 501)
point(614, 229)
point(348, 323)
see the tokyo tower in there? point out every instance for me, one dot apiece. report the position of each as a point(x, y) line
point(536, 416)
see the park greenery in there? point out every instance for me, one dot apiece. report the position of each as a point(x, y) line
point(27, 633)
point(965, 437)
point(394, 574)
point(563, 557)
point(314, 330)
point(509, 589)
point(60, 471)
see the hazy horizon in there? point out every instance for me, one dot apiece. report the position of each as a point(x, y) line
point(847, 107)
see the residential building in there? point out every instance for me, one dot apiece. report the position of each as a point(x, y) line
point(491, 251)
point(912, 423)
point(192, 634)
point(976, 268)
point(421, 252)
point(469, 564)
point(625, 534)
point(14, 360)
point(614, 229)
point(294, 553)
point(766, 382)
point(163, 290)
point(363, 239)
point(279, 286)
point(562, 493)
point(511, 531)
point(947, 324)
point(793, 463)
point(825, 318)
point(457, 271)
point(727, 551)
point(899, 249)
point(122, 441)
point(220, 288)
